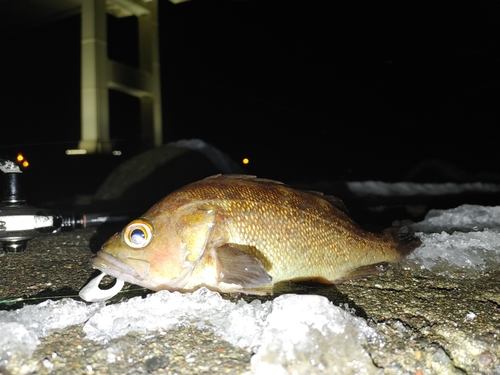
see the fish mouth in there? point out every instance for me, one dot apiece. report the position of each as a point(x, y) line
point(134, 271)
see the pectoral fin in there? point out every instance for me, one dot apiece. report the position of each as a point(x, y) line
point(237, 267)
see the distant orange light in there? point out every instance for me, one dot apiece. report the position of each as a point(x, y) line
point(25, 164)
point(20, 157)
point(245, 161)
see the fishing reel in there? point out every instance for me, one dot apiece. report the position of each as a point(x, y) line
point(20, 222)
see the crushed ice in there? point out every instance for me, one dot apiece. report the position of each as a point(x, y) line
point(466, 238)
point(22, 328)
point(306, 332)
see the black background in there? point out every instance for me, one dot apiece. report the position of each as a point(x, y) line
point(307, 90)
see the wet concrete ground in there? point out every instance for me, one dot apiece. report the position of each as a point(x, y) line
point(431, 324)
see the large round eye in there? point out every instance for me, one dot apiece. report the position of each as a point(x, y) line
point(138, 233)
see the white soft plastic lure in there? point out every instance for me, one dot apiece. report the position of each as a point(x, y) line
point(92, 293)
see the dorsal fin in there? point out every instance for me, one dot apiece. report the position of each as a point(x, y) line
point(244, 177)
point(337, 202)
point(334, 201)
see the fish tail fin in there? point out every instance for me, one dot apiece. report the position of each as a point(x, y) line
point(405, 239)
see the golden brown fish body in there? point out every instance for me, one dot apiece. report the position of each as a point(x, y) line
point(236, 233)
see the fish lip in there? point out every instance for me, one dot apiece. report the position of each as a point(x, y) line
point(112, 266)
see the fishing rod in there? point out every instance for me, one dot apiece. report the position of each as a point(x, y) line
point(20, 222)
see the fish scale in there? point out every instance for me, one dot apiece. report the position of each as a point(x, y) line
point(290, 248)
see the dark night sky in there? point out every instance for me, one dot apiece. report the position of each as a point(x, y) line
point(305, 89)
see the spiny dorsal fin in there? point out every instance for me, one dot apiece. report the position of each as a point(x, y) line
point(334, 201)
point(243, 177)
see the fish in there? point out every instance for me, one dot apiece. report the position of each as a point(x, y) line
point(243, 234)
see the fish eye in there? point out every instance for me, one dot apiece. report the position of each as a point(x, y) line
point(138, 233)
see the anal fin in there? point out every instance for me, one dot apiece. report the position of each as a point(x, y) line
point(363, 271)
